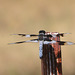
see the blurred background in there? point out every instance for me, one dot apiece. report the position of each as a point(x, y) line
point(30, 16)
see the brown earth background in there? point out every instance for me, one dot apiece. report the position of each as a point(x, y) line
point(30, 16)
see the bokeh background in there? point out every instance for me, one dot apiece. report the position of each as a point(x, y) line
point(30, 16)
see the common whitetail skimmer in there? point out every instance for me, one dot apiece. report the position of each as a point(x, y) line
point(43, 38)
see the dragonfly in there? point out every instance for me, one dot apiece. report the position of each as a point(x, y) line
point(43, 38)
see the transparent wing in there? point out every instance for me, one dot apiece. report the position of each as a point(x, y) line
point(50, 35)
point(59, 42)
point(62, 34)
point(31, 35)
point(26, 35)
point(34, 40)
point(65, 43)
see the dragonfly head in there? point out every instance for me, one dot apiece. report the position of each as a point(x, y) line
point(41, 32)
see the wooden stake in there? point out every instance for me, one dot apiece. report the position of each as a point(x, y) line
point(51, 62)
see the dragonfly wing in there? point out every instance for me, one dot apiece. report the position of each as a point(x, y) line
point(34, 40)
point(65, 43)
point(59, 42)
point(31, 35)
point(26, 35)
point(69, 43)
point(62, 34)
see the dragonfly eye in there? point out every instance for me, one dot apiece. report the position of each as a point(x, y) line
point(41, 31)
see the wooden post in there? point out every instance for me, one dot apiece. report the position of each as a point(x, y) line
point(51, 62)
